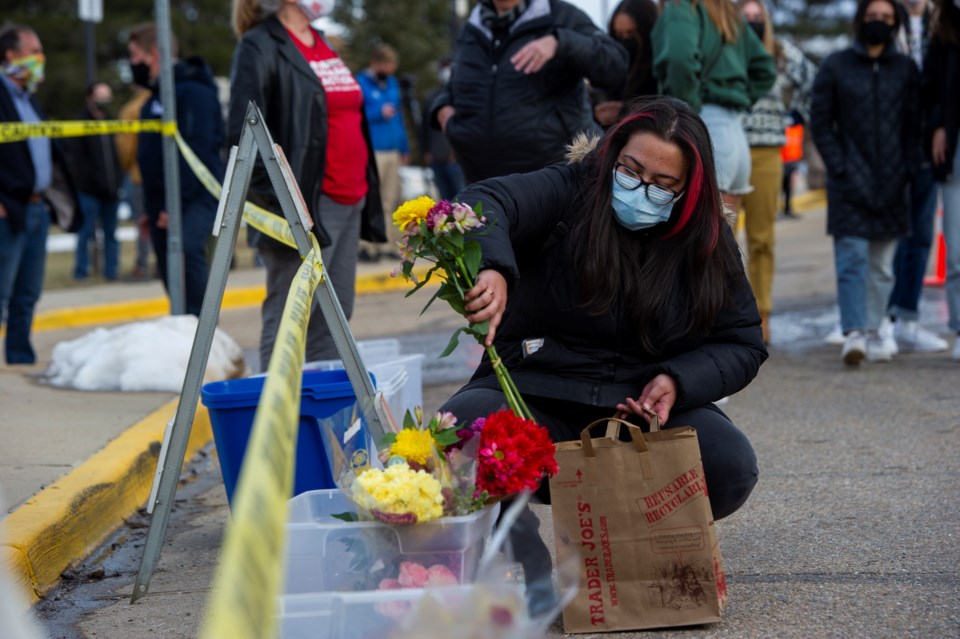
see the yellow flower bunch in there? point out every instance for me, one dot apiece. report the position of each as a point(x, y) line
point(412, 212)
point(414, 445)
point(399, 490)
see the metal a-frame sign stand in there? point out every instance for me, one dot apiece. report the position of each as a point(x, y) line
point(254, 140)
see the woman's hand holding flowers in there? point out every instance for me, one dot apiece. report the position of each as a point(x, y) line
point(486, 301)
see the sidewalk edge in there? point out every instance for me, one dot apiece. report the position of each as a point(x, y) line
point(67, 520)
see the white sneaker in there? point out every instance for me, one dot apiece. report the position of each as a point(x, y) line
point(854, 348)
point(910, 336)
point(835, 338)
point(886, 332)
point(878, 349)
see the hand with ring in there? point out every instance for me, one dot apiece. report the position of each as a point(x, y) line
point(487, 301)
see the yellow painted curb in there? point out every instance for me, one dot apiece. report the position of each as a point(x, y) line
point(233, 298)
point(67, 520)
point(808, 201)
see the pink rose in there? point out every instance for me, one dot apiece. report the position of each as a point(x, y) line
point(389, 584)
point(412, 575)
point(440, 575)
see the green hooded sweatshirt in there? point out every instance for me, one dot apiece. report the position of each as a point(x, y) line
point(687, 45)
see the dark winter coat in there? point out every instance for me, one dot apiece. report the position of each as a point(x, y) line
point(17, 177)
point(269, 69)
point(942, 99)
point(200, 122)
point(589, 359)
point(864, 116)
point(510, 122)
point(95, 164)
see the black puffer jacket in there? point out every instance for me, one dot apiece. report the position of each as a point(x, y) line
point(589, 359)
point(864, 118)
point(270, 70)
point(509, 122)
point(942, 98)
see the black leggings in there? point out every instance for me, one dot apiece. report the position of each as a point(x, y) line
point(729, 463)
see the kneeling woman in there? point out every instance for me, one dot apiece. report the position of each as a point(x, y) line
point(614, 284)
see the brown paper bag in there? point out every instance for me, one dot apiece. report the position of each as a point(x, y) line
point(648, 548)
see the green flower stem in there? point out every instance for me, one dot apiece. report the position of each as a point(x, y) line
point(513, 396)
point(510, 391)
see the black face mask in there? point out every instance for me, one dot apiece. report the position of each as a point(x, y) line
point(141, 74)
point(876, 32)
point(759, 28)
point(381, 76)
point(630, 44)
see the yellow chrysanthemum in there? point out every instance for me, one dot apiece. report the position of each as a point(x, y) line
point(414, 445)
point(400, 490)
point(412, 212)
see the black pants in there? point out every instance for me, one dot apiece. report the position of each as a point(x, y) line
point(729, 463)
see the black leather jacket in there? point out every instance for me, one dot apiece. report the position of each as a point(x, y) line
point(270, 70)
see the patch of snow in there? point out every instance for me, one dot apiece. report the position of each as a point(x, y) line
point(140, 356)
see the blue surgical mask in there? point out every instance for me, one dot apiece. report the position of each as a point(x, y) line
point(634, 209)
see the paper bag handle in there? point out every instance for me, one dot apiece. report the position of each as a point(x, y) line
point(613, 431)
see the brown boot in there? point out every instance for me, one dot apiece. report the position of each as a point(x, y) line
point(765, 326)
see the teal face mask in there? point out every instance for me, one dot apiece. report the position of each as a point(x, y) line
point(633, 207)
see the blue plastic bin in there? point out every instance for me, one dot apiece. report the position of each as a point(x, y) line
point(232, 405)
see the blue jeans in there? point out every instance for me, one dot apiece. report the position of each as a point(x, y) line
point(730, 148)
point(864, 280)
point(910, 261)
point(97, 208)
point(951, 235)
point(449, 178)
point(23, 256)
point(197, 226)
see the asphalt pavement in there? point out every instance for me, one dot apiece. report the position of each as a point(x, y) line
point(851, 532)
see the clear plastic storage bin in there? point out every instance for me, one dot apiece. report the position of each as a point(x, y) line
point(373, 615)
point(326, 554)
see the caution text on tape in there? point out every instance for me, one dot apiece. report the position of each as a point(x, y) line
point(243, 602)
point(17, 131)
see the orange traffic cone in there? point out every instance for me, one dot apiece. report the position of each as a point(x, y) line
point(939, 276)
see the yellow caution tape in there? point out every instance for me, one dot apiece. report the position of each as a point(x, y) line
point(243, 601)
point(259, 218)
point(17, 131)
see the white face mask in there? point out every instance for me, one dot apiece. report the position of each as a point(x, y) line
point(316, 9)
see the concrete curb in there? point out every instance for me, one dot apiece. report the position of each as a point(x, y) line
point(233, 298)
point(68, 520)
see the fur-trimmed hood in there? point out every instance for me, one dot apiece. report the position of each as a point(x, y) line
point(580, 147)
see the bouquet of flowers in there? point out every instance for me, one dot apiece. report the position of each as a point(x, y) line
point(437, 469)
point(437, 232)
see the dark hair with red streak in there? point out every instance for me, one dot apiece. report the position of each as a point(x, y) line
point(673, 276)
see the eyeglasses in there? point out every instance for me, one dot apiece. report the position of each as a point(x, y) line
point(628, 179)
